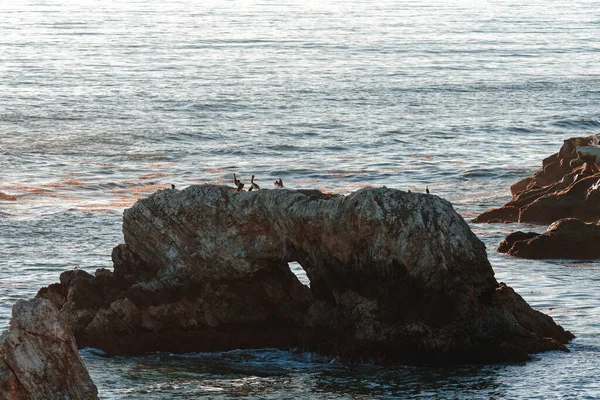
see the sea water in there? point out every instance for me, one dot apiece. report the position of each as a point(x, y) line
point(103, 103)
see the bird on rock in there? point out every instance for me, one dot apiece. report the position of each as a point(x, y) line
point(427, 189)
point(253, 185)
point(279, 183)
point(238, 184)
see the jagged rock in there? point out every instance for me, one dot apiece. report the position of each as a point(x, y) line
point(567, 238)
point(567, 186)
point(394, 277)
point(38, 357)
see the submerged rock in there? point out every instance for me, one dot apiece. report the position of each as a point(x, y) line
point(394, 277)
point(38, 356)
point(567, 186)
point(567, 238)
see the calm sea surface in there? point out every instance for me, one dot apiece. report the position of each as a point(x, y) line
point(104, 102)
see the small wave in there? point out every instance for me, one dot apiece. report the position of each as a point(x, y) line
point(583, 123)
point(480, 173)
point(7, 197)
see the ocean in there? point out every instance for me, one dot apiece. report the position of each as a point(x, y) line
point(103, 103)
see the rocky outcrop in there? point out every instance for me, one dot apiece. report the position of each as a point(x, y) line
point(567, 238)
point(38, 357)
point(394, 277)
point(567, 186)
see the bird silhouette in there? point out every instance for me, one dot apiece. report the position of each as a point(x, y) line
point(278, 183)
point(238, 184)
point(427, 189)
point(253, 185)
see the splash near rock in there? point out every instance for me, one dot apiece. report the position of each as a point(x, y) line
point(395, 277)
point(567, 186)
point(38, 357)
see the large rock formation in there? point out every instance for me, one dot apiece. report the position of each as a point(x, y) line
point(567, 186)
point(394, 277)
point(566, 238)
point(38, 357)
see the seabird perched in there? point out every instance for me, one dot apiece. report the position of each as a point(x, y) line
point(427, 189)
point(253, 185)
point(172, 186)
point(279, 183)
point(238, 184)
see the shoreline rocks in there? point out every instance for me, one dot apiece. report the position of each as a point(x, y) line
point(39, 358)
point(395, 277)
point(567, 238)
point(567, 186)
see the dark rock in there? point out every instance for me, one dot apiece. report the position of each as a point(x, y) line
point(39, 358)
point(394, 277)
point(567, 238)
point(508, 242)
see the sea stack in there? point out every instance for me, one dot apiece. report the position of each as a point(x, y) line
point(394, 278)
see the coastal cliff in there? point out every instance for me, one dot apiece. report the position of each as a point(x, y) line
point(394, 277)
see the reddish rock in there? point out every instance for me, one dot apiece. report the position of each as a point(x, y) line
point(565, 187)
point(394, 277)
point(499, 215)
point(567, 238)
point(520, 186)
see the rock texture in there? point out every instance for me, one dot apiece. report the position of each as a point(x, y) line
point(567, 238)
point(567, 186)
point(394, 277)
point(38, 357)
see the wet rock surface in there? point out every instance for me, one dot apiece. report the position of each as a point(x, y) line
point(567, 186)
point(39, 358)
point(567, 238)
point(394, 277)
